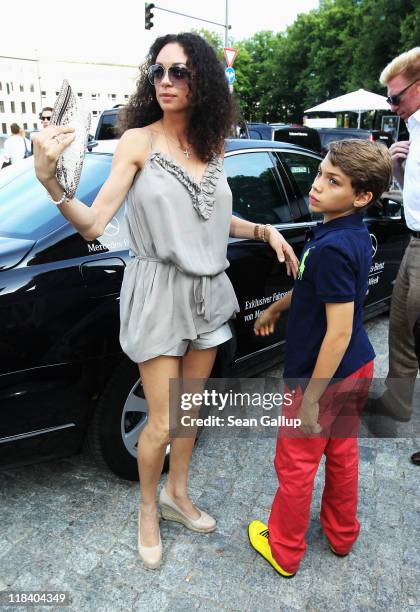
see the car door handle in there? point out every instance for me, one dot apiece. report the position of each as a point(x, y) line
point(104, 270)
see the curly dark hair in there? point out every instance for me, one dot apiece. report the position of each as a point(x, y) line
point(214, 110)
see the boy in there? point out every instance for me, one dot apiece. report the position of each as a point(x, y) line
point(325, 341)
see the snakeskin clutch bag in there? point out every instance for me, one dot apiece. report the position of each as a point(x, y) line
point(67, 111)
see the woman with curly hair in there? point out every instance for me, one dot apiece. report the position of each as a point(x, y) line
point(176, 299)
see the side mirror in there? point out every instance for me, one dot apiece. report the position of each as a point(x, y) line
point(91, 143)
point(392, 205)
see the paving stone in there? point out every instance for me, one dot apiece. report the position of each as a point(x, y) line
point(367, 454)
point(388, 514)
point(410, 517)
point(388, 596)
point(28, 581)
point(389, 493)
point(237, 599)
point(231, 514)
point(411, 587)
point(411, 557)
point(287, 592)
point(101, 541)
point(121, 595)
point(125, 569)
point(182, 603)
point(243, 495)
point(152, 601)
point(80, 558)
point(6, 547)
point(206, 605)
point(79, 527)
point(203, 583)
point(15, 530)
point(91, 599)
point(15, 562)
point(48, 571)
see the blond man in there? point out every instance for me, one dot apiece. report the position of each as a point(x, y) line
point(402, 79)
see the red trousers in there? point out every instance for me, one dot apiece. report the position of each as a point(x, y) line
point(296, 461)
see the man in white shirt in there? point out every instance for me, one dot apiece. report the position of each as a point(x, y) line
point(16, 147)
point(402, 78)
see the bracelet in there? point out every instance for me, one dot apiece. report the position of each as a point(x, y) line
point(63, 198)
point(257, 231)
point(264, 236)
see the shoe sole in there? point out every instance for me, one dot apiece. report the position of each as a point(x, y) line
point(169, 514)
point(267, 561)
point(336, 553)
point(150, 566)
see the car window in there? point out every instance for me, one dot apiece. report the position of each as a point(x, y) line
point(257, 195)
point(301, 170)
point(254, 134)
point(107, 128)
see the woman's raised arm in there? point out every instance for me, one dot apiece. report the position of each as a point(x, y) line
point(91, 221)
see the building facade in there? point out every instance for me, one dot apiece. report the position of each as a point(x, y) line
point(29, 84)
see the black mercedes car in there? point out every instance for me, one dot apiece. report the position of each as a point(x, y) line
point(63, 377)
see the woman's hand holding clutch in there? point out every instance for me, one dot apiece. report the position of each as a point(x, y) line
point(48, 147)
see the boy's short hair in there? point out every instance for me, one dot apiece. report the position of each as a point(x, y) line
point(367, 164)
point(407, 64)
point(14, 128)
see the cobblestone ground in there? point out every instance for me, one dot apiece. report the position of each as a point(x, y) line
point(70, 526)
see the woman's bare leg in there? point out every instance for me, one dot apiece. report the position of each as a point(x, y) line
point(196, 364)
point(155, 375)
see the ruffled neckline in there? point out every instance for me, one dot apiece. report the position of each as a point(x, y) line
point(202, 192)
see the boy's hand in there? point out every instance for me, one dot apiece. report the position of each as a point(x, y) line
point(308, 414)
point(264, 325)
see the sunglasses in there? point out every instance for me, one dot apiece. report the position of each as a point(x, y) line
point(178, 75)
point(46, 118)
point(396, 99)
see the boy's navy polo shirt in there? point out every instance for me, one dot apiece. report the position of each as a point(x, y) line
point(334, 268)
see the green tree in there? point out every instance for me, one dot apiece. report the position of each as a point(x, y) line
point(379, 40)
point(410, 28)
point(256, 96)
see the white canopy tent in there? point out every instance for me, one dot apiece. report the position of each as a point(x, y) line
point(358, 101)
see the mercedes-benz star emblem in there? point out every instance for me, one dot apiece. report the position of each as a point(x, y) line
point(374, 244)
point(113, 227)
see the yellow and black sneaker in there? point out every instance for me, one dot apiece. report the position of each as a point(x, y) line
point(258, 538)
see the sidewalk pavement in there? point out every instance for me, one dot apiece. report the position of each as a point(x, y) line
point(71, 526)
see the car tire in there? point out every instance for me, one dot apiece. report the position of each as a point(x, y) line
point(119, 417)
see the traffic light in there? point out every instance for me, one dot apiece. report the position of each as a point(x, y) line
point(148, 15)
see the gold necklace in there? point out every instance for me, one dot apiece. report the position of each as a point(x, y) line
point(186, 151)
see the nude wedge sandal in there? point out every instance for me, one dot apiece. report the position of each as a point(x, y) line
point(171, 512)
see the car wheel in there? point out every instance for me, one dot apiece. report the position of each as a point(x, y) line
point(119, 417)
